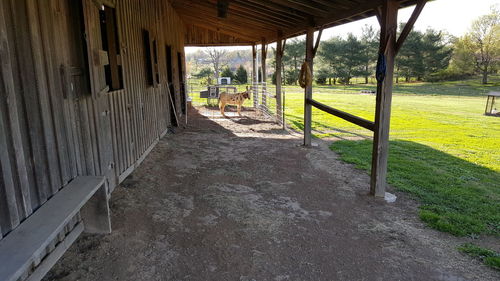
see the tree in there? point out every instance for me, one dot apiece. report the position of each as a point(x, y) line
point(351, 60)
point(423, 54)
point(205, 72)
point(217, 58)
point(409, 62)
point(462, 61)
point(227, 73)
point(436, 52)
point(291, 76)
point(369, 40)
point(293, 56)
point(241, 75)
point(483, 42)
point(329, 55)
point(322, 74)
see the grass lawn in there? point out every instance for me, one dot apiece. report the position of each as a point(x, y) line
point(443, 150)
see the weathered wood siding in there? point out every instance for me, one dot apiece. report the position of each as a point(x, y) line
point(58, 122)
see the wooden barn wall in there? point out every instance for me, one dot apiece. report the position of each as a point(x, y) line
point(54, 124)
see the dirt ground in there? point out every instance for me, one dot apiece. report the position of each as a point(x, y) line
point(240, 199)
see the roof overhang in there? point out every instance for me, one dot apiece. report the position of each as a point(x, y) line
point(251, 21)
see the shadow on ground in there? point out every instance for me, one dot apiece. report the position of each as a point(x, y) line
point(225, 201)
point(457, 196)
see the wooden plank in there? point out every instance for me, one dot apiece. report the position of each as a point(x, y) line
point(263, 69)
point(27, 87)
point(266, 13)
point(318, 39)
point(47, 263)
point(9, 216)
point(341, 114)
point(122, 17)
point(280, 9)
point(132, 111)
point(254, 74)
point(21, 246)
point(308, 89)
point(48, 29)
point(383, 101)
point(278, 65)
point(43, 96)
point(11, 106)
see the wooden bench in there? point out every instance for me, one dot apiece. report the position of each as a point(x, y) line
point(82, 205)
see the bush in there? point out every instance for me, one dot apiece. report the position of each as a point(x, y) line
point(241, 75)
point(321, 76)
point(447, 75)
point(291, 76)
point(227, 73)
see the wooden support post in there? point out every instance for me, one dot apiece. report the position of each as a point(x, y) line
point(254, 76)
point(279, 55)
point(384, 97)
point(263, 58)
point(308, 89)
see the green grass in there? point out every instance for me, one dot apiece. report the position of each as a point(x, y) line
point(488, 257)
point(443, 151)
point(456, 196)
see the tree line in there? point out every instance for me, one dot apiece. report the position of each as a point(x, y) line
point(429, 55)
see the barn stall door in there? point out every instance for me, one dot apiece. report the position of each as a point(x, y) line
point(97, 23)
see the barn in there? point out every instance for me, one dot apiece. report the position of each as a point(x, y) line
point(88, 87)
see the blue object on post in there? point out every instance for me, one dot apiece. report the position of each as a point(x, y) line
point(381, 68)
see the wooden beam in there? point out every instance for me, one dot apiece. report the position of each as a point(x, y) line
point(238, 19)
point(278, 8)
point(317, 42)
point(307, 4)
point(308, 89)
point(283, 48)
point(256, 11)
point(333, 4)
point(409, 25)
point(232, 21)
point(263, 58)
point(258, 8)
point(254, 75)
point(383, 101)
point(278, 61)
point(341, 114)
point(300, 7)
point(378, 14)
point(214, 26)
point(335, 17)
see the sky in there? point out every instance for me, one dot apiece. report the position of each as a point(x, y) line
point(453, 16)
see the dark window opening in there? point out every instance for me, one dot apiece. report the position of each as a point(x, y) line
point(110, 44)
point(155, 57)
point(180, 62)
point(151, 57)
point(170, 85)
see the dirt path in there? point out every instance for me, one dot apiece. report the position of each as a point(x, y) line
point(239, 199)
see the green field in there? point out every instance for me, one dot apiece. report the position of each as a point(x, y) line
point(444, 152)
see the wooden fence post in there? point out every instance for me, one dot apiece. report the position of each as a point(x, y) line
point(254, 76)
point(308, 89)
point(279, 54)
point(388, 26)
point(263, 71)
